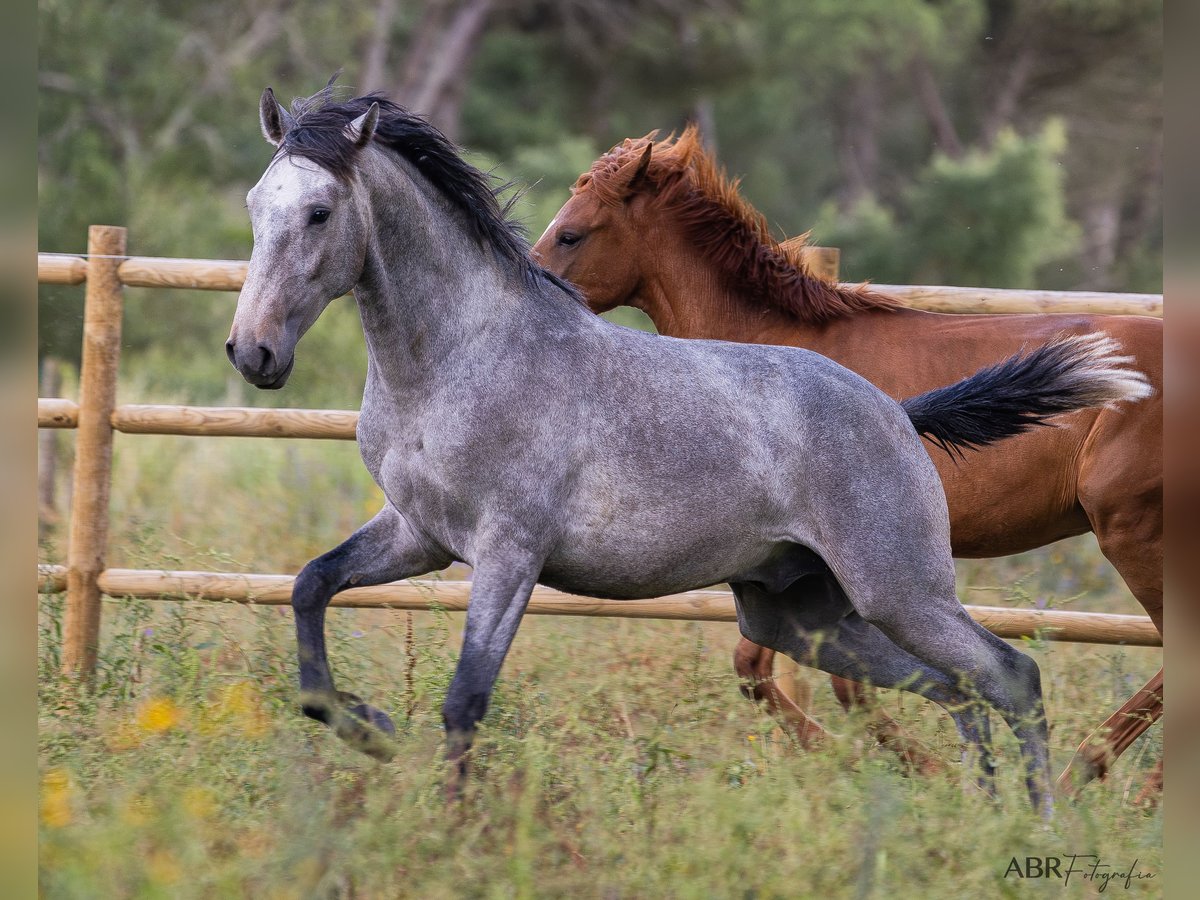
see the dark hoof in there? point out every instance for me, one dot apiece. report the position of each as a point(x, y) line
point(373, 716)
point(367, 730)
point(360, 725)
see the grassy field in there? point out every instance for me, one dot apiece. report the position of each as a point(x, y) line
point(618, 759)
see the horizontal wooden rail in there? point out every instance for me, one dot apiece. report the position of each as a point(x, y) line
point(702, 606)
point(236, 421)
point(228, 275)
point(965, 300)
point(54, 412)
point(194, 274)
point(54, 268)
point(212, 421)
point(150, 271)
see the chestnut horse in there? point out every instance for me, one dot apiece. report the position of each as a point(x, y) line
point(660, 227)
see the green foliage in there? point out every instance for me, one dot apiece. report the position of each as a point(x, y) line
point(872, 244)
point(838, 41)
point(992, 218)
point(148, 119)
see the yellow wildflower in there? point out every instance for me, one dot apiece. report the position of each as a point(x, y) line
point(58, 794)
point(238, 709)
point(158, 714)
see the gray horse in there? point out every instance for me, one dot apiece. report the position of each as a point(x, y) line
point(513, 430)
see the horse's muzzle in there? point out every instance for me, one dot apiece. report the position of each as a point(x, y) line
point(259, 365)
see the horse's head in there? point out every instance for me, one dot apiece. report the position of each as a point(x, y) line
point(597, 240)
point(310, 243)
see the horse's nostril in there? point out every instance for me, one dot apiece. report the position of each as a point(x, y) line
point(265, 359)
point(229, 351)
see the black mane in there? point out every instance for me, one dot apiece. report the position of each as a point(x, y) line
point(319, 135)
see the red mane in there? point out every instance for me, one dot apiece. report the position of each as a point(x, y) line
point(689, 185)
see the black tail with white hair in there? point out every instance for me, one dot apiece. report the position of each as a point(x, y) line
point(1026, 390)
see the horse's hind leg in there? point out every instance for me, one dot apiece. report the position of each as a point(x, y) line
point(754, 665)
point(933, 626)
point(1128, 526)
point(384, 549)
point(813, 622)
point(1101, 748)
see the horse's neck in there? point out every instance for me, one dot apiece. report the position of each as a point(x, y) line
point(689, 298)
point(427, 287)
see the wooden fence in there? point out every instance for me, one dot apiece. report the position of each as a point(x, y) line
point(106, 270)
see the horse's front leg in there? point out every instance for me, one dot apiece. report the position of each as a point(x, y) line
point(500, 589)
point(385, 549)
point(755, 667)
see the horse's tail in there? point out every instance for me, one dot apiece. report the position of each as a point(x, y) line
point(1011, 397)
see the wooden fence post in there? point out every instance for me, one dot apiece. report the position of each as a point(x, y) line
point(103, 303)
point(824, 262)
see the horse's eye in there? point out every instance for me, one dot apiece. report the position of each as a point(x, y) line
point(318, 216)
point(569, 239)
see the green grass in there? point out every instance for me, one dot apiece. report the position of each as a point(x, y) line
point(618, 759)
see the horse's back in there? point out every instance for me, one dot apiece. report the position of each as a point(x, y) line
point(707, 456)
point(1023, 492)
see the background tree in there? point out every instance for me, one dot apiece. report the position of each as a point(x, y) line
point(998, 142)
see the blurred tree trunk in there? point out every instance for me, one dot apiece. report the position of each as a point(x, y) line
point(1146, 206)
point(374, 74)
point(856, 123)
point(1010, 74)
point(929, 95)
point(599, 106)
point(702, 111)
point(440, 56)
point(1102, 228)
point(433, 77)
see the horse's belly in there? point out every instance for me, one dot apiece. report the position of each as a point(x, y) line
point(625, 583)
point(650, 565)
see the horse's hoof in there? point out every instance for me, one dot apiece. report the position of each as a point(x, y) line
point(367, 730)
point(360, 725)
point(373, 717)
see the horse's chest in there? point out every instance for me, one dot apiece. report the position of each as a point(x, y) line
point(451, 490)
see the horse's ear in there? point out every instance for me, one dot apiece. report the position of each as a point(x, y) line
point(274, 119)
point(362, 129)
point(639, 174)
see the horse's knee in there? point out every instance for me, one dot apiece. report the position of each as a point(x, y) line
point(1026, 673)
point(849, 693)
point(313, 587)
point(751, 660)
